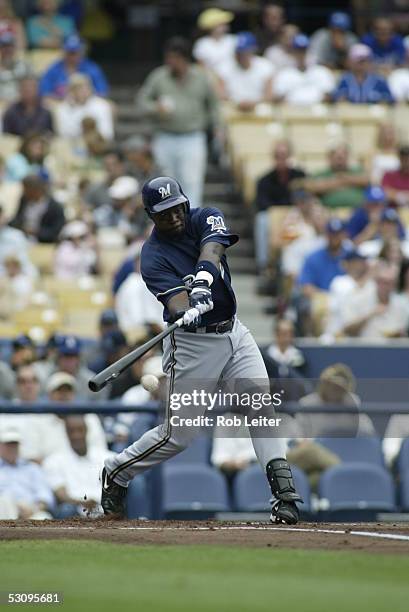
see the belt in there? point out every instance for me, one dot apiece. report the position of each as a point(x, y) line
point(214, 328)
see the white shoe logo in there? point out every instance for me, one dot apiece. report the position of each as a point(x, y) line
point(164, 191)
point(105, 484)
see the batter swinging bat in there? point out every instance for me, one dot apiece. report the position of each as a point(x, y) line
point(114, 370)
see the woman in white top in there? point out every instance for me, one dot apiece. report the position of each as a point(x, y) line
point(385, 158)
point(217, 45)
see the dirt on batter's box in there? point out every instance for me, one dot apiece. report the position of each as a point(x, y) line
point(365, 537)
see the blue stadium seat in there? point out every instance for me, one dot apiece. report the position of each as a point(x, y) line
point(252, 492)
point(403, 458)
point(197, 452)
point(194, 488)
point(357, 486)
point(404, 490)
point(356, 450)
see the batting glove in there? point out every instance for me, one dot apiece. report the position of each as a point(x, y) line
point(201, 296)
point(192, 319)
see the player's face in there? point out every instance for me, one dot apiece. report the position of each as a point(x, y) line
point(171, 222)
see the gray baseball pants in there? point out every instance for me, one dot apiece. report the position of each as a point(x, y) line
point(210, 359)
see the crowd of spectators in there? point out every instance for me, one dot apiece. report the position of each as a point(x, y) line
point(72, 179)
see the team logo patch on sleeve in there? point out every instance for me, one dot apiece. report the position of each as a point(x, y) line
point(217, 223)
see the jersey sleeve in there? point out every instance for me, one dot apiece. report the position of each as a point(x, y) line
point(212, 228)
point(161, 280)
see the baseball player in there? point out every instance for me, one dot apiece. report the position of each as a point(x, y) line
point(183, 263)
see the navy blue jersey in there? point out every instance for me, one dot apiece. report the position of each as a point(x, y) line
point(168, 264)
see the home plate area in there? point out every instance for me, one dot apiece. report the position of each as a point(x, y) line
point(365, 537)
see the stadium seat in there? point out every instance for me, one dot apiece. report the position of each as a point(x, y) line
point(197, 452)
point(403, 458)
point(313, 135)
point(361, 450)
point(404, 490)
point(194, 489)
point(252, 492)
point(357, 486)
point(42, 257)
point(253, 168)
point(40, 59)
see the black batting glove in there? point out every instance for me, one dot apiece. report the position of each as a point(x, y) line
point(201, 296)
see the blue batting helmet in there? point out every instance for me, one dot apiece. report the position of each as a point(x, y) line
point(161, 193)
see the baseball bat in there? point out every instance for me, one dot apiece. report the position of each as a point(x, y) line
point(100, 380)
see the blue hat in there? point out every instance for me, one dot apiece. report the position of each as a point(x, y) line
point(69, 345)
point(112, 341)
point(108, 317)
point(246, 41)
point(340, 21)
point(73, 43)
point(353, 254)
point(374, 193)
point(22, 341)
point(335, 225)
point(300, 41)
point(390, 214)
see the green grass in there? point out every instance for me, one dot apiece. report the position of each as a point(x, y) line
point(98, 576)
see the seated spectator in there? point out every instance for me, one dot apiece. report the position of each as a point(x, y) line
point(114, 346)
point(92, 143)
point(341, 184)
point(13, 241)
point(336, 386)
point(398, 80)
point(396, 182)
point(39, 216)
point(30, 159)
point(12, 67)
point(125, 210)
point(54, 82)
point(76, 254)
point(246, 79)
point(302, 84)
point(281, 54)
point(330, 46)
point(16, 287)
point(356, 280)
point(141, 163)
point(364, 223)
point(48, 29)
point(10, 23)
point(385, 158)
point(379, 312)
point(361, 85)
point(136, 307)
point(108, 322)
point(73, 472)
point(272, 23)
point(23, 352)
point(24, 492)
point(232, 449)
point(28, 386)
point(28, 114)
point(302, 231)
point(273, 189)
point(387, 47)
point(97, 194)
point(79, 103)
point(217, 44)
point(389, 228)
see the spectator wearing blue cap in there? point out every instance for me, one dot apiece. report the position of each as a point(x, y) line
point(330, 45)
point(303, 84)
point(387, 47)
point(39, 216)
point(48, 29)
point(317, 273)
point(54, 82)
point(12, 66)
point(390, 228)
point(364, 223)
point(246, 80)
point(361, 84)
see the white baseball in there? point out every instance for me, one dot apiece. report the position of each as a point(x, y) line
point(150, 382)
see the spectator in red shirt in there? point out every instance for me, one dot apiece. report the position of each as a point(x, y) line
point(396, 183)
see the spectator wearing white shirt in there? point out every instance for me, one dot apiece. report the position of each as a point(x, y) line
point(246, 80)
point(217, 44)
point(80, 103)
point(16, 286)
point(385, 158)
point(379, 312)
point(76, 255)
point(135, 306)
point(398, 81)
point(303, 85)
point(281, 54)
point(73, 472)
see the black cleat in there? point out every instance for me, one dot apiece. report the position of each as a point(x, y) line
point(112, 497)
point(284, 509)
